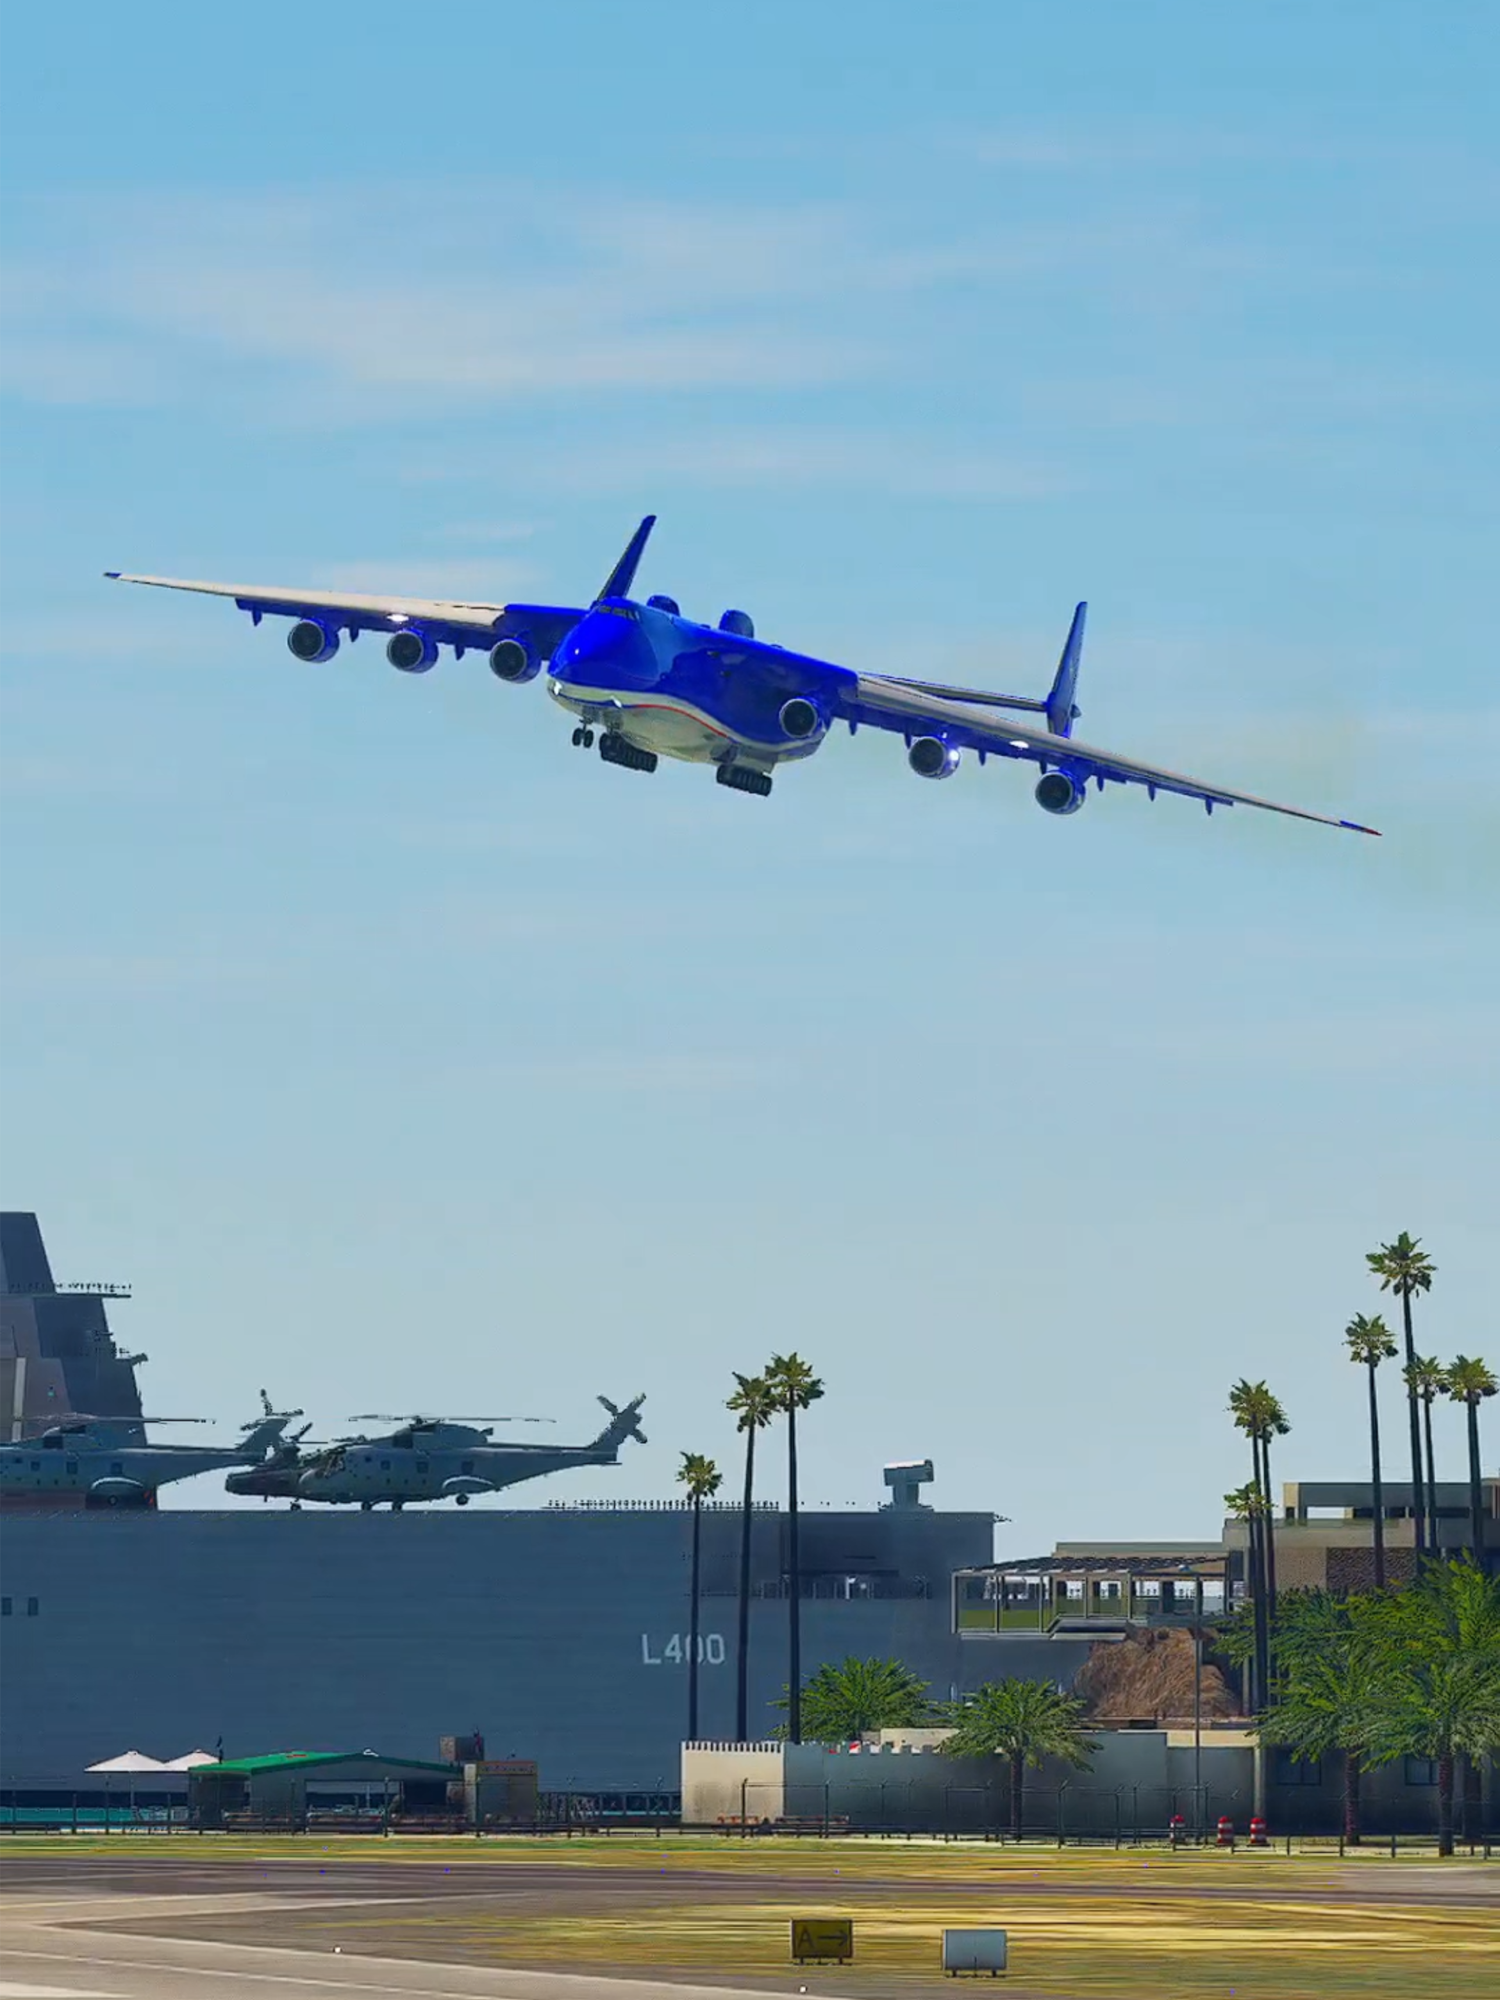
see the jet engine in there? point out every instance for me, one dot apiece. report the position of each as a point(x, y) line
point(512, 661)
point(1058, 793)
point(412, 652)
point(801, 718)
point(931, 757)
point(310, 641)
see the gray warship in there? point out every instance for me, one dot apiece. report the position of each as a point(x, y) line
point(560, 1631)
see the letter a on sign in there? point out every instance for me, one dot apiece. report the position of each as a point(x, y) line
point(823, 1937)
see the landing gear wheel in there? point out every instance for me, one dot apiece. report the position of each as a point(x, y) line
point(616, 749)
point(577, 739)
point(740, 778)
point(588, 739)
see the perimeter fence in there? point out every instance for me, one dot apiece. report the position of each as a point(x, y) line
point(1057, 1816)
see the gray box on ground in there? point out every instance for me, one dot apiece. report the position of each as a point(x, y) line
point(974, 1951)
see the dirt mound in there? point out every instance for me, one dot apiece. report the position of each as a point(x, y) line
point(1148, 1677)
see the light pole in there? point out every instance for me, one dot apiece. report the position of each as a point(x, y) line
point(1198, 1707)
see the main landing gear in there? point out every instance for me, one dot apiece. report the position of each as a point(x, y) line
point(615, 750)
point(740, 778)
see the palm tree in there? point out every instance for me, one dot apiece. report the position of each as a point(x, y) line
point(1336, 1676)
point(793, 1387)
point(1244, 1504)
point(1469, 1382)
point(842, 1701)
point(1023, 1721)
point(752, 1405)
point(1370, 1341)
point(1426, 1379)
point(1443, 1640)
point(702, 1479)
point(1403, 1267)
point(1258, 1413)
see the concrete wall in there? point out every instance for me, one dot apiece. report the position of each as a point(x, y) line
point(1139, 1779)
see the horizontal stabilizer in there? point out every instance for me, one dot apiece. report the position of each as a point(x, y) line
point(975, 696)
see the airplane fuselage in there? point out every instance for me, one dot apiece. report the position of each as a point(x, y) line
point(701, 693)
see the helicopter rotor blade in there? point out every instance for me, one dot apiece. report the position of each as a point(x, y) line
point(386, 1417)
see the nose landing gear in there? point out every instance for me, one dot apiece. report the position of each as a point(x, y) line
point(583, 737)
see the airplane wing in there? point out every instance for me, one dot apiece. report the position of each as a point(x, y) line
point(446, 620)
point(969, 722)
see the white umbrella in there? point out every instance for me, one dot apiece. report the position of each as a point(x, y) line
point(131, 1760)
point(192, 1761)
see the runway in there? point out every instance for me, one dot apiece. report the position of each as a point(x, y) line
point(180, 1923)
point(69, 1948)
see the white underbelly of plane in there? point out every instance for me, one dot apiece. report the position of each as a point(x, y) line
point(669, 728)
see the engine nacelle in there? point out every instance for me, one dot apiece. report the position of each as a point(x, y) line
point(931, 757)
point(412, 652)
point(1057, 793)
point(740, 623)
point(801, 718)
point(310, 641)
point(512, 661)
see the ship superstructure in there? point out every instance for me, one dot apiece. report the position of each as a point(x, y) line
point(58, 1358)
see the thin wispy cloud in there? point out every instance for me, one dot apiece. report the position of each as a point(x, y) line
point(389, 298)
point(778, 455)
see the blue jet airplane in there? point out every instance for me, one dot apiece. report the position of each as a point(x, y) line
point(650, 683)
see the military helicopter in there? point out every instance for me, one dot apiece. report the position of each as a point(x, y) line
point(99, 1458)
point(427, 1458)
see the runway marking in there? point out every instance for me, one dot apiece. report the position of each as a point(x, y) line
point(519, 1980)
point(9, 1990)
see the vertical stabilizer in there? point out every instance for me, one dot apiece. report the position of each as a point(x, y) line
point(1062, 712)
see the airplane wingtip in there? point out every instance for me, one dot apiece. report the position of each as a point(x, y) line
point(113, 575)
point(1354, 826)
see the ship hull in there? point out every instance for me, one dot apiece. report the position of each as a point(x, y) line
point(560, 1633)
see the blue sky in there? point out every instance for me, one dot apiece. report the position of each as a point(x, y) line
point(403, 1058)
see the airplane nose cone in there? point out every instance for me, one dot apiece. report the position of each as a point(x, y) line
point(607, 649)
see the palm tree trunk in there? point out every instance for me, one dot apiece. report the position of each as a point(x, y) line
point(742, 1640)
point(1476, 1487)
point(1434, 1540)
point(1255, 1699)
point(1418, 1511)
point(1017, 1781)
point(1377, 1491)
point(1472, 1801)
point(1351, 1798)
point(692, 1727)
point(1445, 1804)
point(1258, 1583)
point(1265, 1459)
point(794, 1584)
